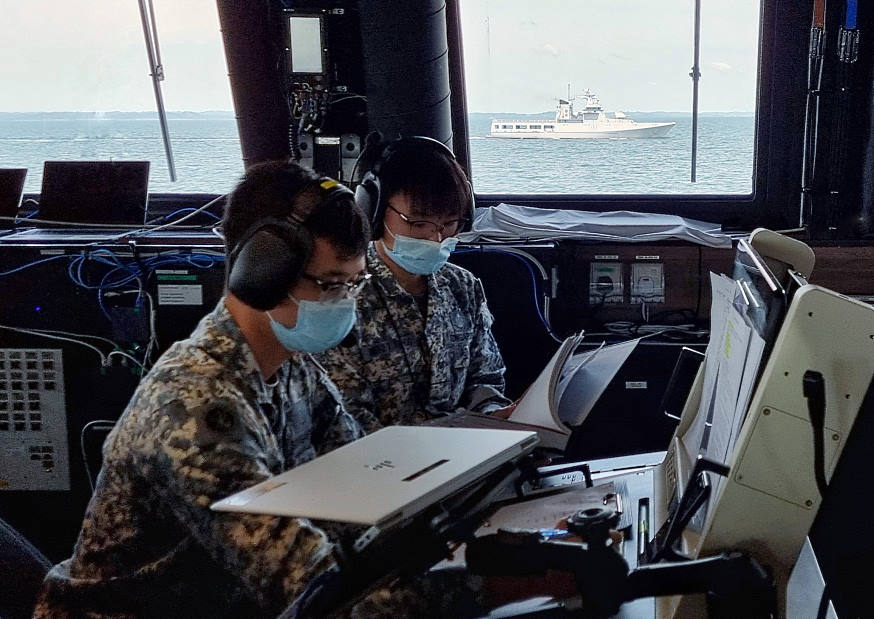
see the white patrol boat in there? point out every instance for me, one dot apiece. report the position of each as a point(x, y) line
point(591, 122)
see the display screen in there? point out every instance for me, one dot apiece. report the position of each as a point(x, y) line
point(306, 45)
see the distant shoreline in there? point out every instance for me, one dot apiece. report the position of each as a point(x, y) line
point(111, 115)
point(218, 114)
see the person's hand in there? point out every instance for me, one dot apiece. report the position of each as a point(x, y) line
point(504, 413)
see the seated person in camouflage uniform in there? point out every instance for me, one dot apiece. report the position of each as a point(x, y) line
point(423, 345)
point(238, 401)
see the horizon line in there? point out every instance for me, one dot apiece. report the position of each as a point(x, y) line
point(100, 112)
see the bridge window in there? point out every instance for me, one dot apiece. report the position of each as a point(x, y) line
point(646, 77)
point(84, 93)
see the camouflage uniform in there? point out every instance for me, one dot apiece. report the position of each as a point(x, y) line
point(202, 425)
point(402, 368)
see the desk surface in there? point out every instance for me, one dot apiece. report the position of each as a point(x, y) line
point(31, 237)
point(805, 585)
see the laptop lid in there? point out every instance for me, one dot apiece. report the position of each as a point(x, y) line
point(386, 477)
point(11, 188)
point(94, 192)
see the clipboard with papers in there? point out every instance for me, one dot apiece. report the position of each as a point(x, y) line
point(750, 313)
point(750, 417)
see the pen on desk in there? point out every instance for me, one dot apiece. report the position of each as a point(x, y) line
point(642, 527)
point(619, 507)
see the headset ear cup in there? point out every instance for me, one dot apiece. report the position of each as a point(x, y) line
point(267, 266)
point(367, 198)
point(471, 207)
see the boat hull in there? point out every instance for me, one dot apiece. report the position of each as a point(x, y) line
point(570, 131)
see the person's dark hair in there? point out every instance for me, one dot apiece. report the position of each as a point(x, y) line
point(435, 183)
point(273, 188)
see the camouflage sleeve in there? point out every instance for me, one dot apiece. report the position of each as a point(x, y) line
point(437, 594)
point(214, 449)
point(484, 390)
point(440, 594)
point(333, 425)
point(343, 365)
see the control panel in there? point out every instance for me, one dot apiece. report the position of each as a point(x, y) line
point(324, 87)
point(605, 283)
point(647, 282)
point(33, 420)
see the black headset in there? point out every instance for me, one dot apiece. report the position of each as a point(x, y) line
point(271, 255)
point(368, 194)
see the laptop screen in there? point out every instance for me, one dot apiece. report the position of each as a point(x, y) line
point(386, 477)
point(94, 192)
point(11, 188)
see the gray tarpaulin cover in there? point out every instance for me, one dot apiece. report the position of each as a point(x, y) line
point(511, 222)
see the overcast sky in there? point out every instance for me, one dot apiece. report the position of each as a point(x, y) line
point(635, 54)
point(84, 55)
point(89, 55)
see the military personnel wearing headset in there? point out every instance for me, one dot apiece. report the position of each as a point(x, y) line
point(238, 401)
point(423, 345)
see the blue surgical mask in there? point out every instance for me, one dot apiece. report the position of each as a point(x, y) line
point(420, 256)
point(320, 325)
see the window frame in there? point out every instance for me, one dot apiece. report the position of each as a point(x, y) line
point(778, 142)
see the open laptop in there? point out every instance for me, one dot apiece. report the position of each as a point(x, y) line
point(386, 477)
point(11, 188)
point(94, 192)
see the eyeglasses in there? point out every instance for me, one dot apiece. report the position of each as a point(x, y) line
point(334, 291)
point(423, 229)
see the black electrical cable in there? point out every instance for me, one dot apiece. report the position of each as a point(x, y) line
point(814, 391)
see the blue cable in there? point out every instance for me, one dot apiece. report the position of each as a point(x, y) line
point(527, 264)
point(121, 274)
point(850, 19)
point(34, 263)
point(187, 210)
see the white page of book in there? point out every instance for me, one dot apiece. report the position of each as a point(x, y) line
point(573, 364)
point(535, 405)
point(590, 380)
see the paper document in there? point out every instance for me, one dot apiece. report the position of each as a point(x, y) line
point(570, 385)
point(546, 512)
point(723, 289)
point(537, 405)
point(588, 381)
point(734, 354)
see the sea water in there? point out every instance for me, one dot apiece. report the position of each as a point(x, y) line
point(208, 157)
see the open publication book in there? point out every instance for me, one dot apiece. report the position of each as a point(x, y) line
point(561, 397)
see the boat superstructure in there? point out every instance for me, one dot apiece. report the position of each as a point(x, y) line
point(590, 122)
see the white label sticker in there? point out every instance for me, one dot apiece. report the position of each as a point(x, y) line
point(635, 384)
point(180, 294)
